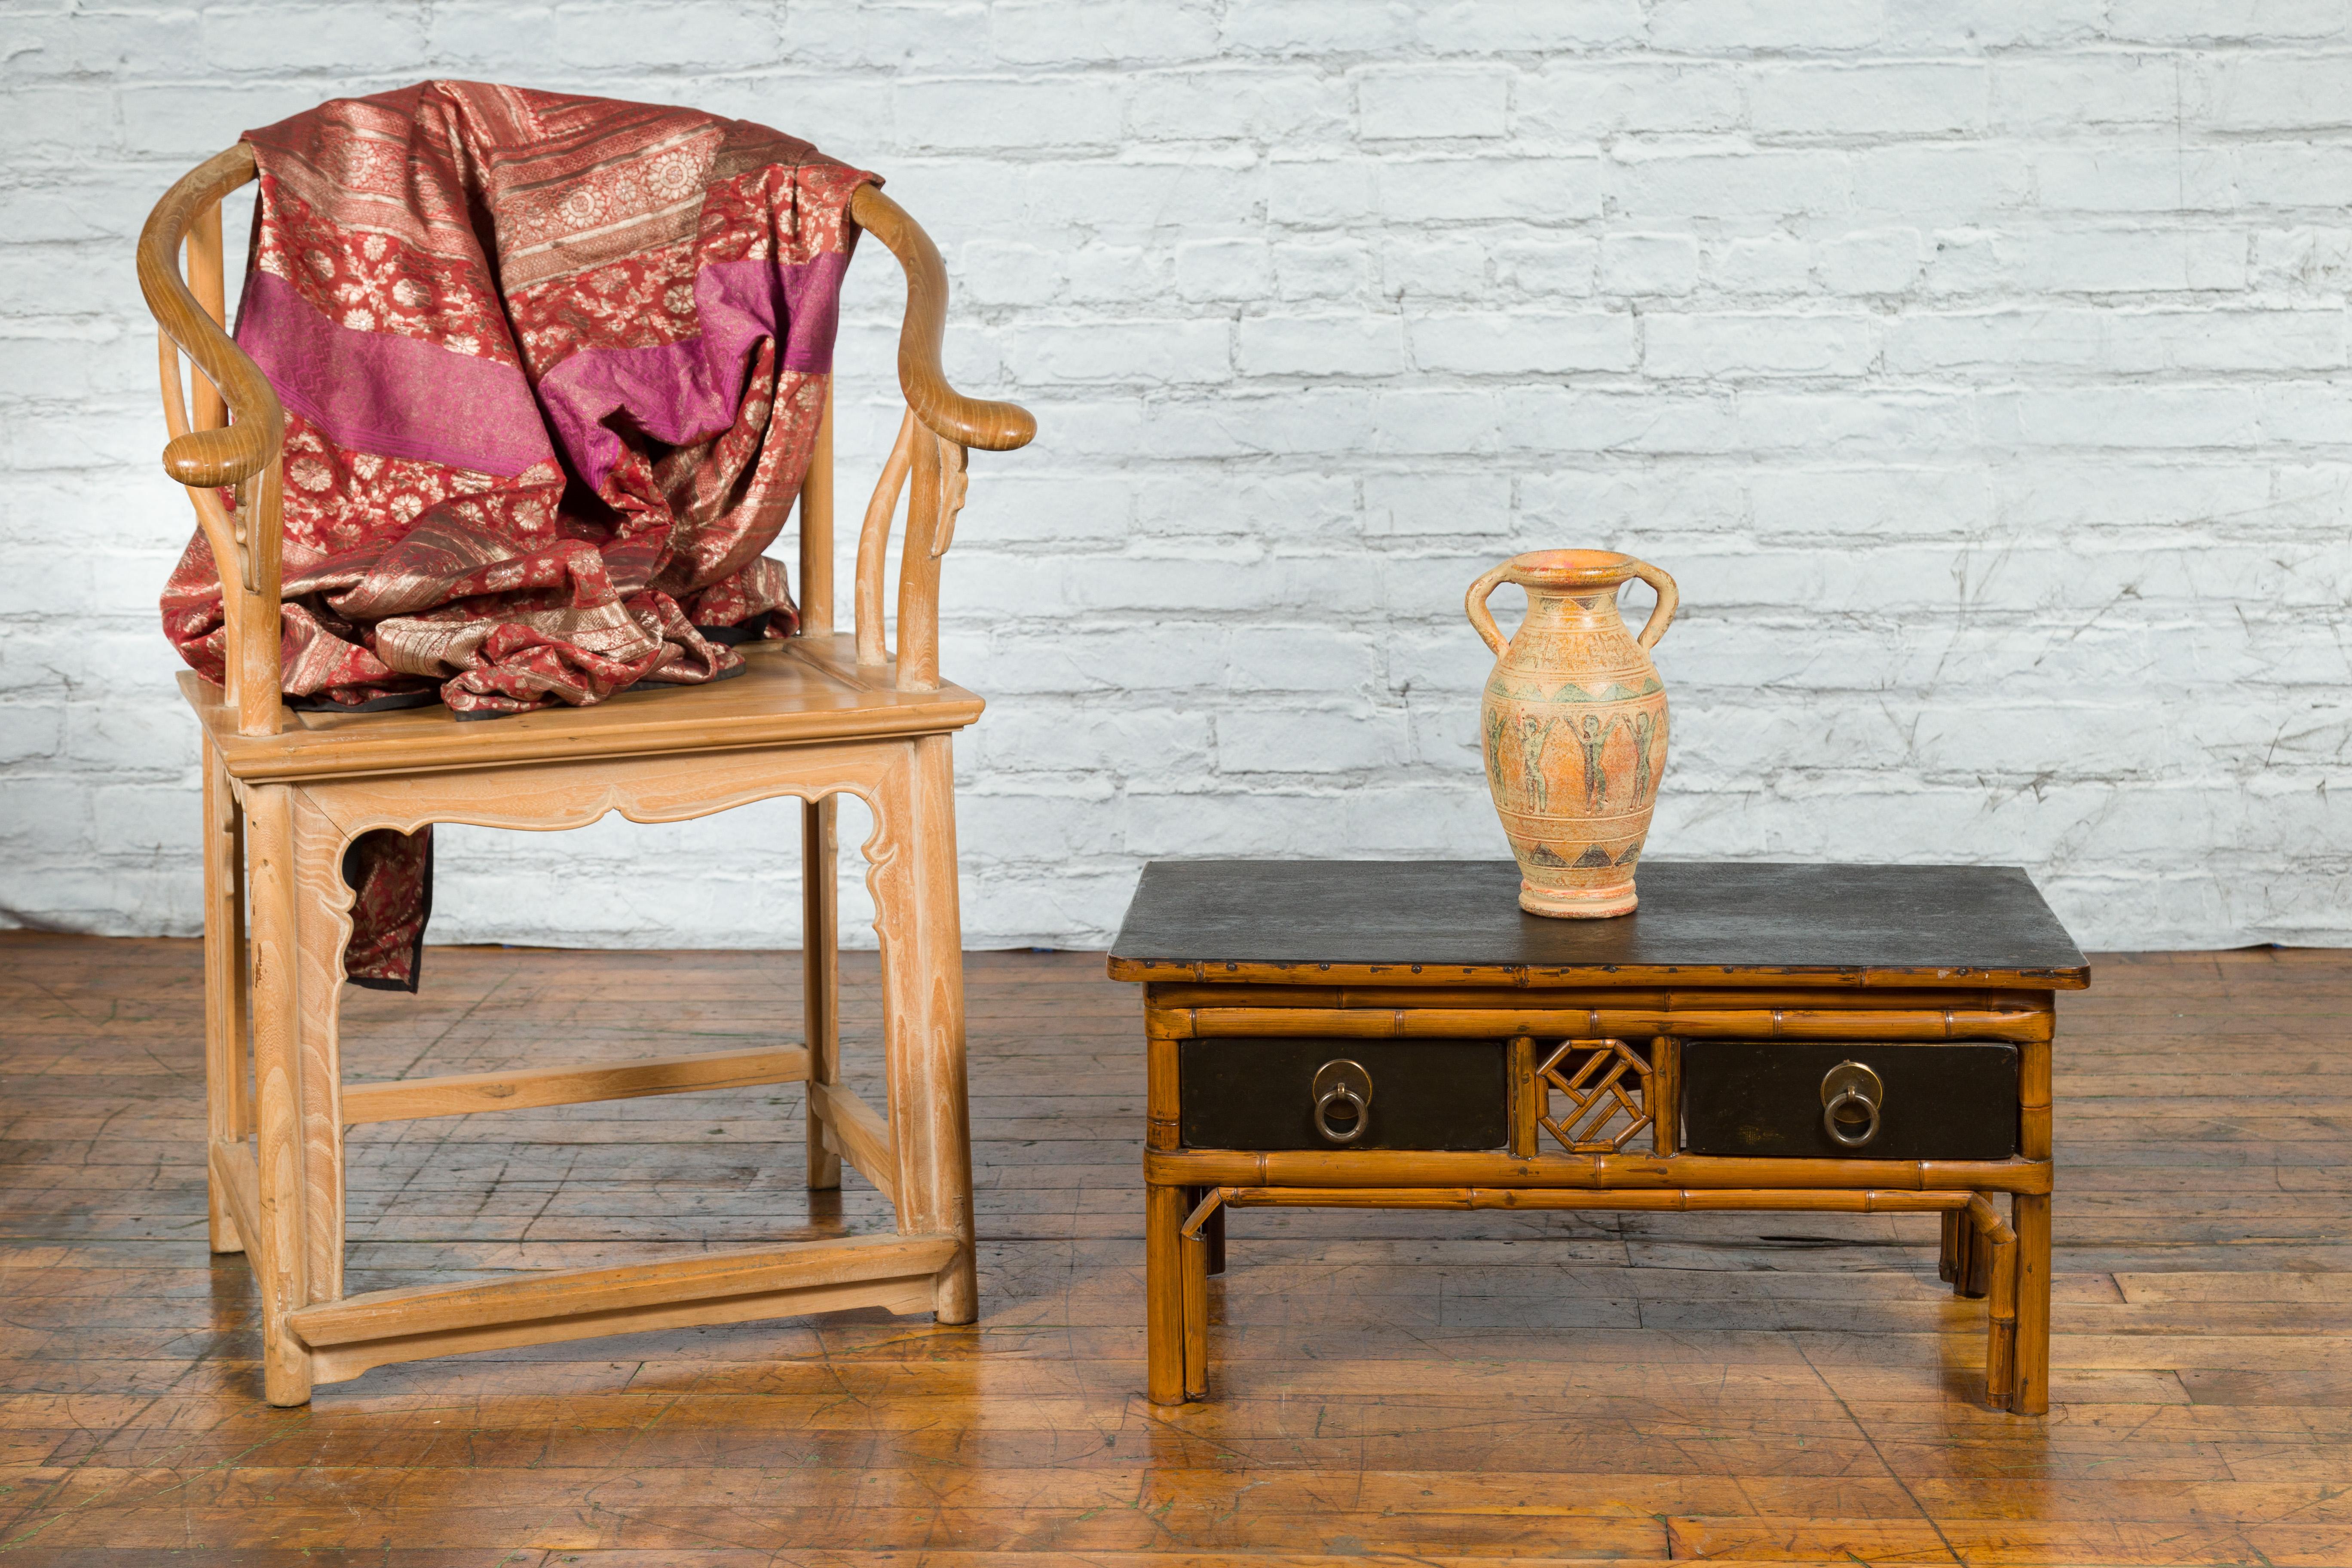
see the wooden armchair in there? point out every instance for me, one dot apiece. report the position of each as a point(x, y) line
point(814, 715)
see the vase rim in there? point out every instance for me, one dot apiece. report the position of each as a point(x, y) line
point(1569, 569)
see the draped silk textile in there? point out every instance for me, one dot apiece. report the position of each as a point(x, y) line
point(553, 370)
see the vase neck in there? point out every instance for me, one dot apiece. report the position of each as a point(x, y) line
point(1580, 609)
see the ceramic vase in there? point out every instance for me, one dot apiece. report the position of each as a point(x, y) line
point(1573, 725)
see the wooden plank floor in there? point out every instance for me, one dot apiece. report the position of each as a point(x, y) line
point(1431, 1386)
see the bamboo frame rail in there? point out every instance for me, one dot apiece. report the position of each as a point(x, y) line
point(1668, 1200)
point(1278, 975)
point(1174, 995)
point(1891, 1024)
point(1353, 1169)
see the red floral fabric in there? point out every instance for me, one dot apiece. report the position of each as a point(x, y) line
point(552, 369)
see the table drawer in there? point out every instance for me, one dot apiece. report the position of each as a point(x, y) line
point(1262, 1093)
point(1952, 1102)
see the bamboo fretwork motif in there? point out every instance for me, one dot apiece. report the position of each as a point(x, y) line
point(1612, 1082)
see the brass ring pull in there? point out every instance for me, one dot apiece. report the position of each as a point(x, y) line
point(1836, 1124)
point(1340, 1092)
point(1851, 1094)
point(1347, 1082)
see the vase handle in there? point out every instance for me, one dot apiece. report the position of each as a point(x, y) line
point(1481, 617)
point(1662, 614)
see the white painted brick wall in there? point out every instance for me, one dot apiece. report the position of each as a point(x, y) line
point(1979, 367)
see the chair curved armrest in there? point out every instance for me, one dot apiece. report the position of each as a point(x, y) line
point(970, 421)
point(237, 451)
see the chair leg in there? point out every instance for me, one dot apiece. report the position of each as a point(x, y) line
point(322, 932)
point(820, 973)
point(228, 1117)
point(279, 1255)
point(922, 1011)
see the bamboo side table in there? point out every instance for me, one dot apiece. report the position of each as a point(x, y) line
point(1862, 1039)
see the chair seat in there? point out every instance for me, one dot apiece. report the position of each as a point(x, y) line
point(798, 690)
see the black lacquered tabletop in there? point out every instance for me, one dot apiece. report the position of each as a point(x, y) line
point(1943, 921)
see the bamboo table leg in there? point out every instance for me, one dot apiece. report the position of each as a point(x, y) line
point(2030, 1215)
point(1163, 1291)
point(1194, 1246)
point(1195, 1252)
point(1213, 1229)
point(2030, 1212)
point(2000, 1331)
point(1999, 1241)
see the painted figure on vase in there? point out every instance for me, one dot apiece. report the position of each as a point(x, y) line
point(1576, 814)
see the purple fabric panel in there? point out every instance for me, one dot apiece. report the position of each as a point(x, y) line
point(812, 310)
point(375, 392)
point(690, 389)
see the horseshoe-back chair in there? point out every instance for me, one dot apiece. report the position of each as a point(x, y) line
point(814, 716)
